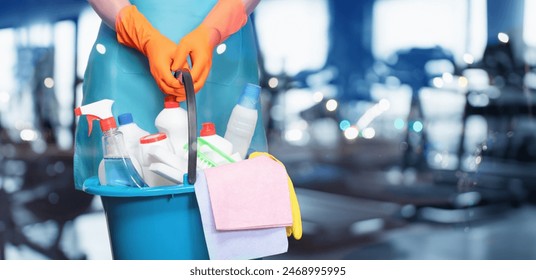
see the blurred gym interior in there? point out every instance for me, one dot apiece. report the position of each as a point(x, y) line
point(406, 126)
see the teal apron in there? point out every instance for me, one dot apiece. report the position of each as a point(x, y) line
point(122, 74)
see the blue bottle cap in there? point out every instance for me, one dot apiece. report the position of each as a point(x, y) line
point(250, 96)
point(125, 118)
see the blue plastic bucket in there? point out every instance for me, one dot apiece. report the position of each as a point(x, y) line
point(158, 223)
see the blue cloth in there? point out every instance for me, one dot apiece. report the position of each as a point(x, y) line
point(122, 74)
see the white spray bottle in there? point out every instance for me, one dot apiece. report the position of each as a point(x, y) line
point(116, 168)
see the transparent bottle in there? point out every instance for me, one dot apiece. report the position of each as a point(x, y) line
point(119, 168)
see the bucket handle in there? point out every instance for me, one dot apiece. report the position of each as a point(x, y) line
point(186, 77)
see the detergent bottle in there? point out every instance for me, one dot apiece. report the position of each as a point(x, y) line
point(118, 168)
point(243, 119)
point(216, 148)
point(155, 149)
point(159, 159)
point(208, 133)
point(173, 121)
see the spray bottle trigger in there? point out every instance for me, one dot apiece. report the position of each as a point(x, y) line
point(90, 119)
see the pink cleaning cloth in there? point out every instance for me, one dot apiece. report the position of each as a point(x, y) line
point(236, 244)
point(249, 194)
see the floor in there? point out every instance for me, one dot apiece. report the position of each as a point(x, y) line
point(507, 235)
point(360, 208)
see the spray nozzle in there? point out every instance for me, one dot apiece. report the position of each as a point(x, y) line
point(100, 110)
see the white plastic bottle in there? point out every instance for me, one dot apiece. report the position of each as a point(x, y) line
point(149, 145)
point(208, 133)
point(173, 121)
point(243, 120)
point(131, 134)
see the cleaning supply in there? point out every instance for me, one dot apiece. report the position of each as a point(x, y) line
point(167, 172)
point(243, 120)
point(250, 194)
point(296, 228)
point(173, 121)
point(208, 133)
point(209, 155)
point(168, 165)
point(131, 134)
point(119, 169)
point(102, 171)
point(235, 244)
point(213, 146)
point(149, 144)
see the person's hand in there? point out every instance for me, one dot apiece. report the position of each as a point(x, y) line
point(134, 30)
point(199, 46)
point(160, 52)
point(225, 18)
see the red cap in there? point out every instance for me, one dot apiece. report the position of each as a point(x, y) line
point(107, 124)
point(152, 138)
point(207, 129)
point(170, 98)
point(171, 104)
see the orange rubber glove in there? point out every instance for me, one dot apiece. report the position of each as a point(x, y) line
point(225, 18)
point(135, 31)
